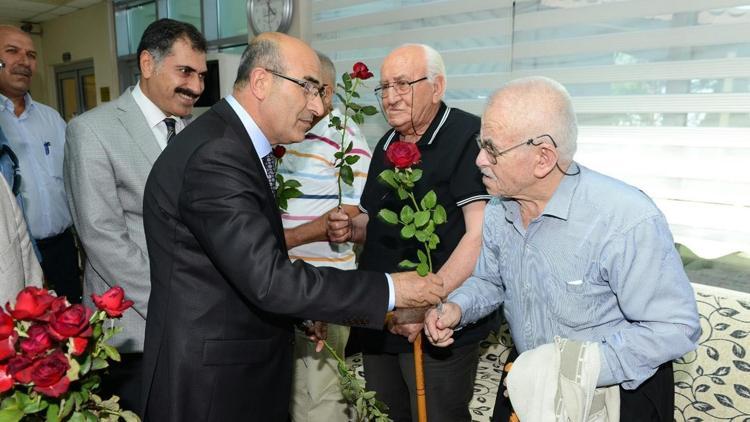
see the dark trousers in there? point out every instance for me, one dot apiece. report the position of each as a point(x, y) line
point(124, 380)
point(449, 382)
point(60, 265)
point(652, 401)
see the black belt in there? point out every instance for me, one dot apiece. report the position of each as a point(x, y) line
point(53, 239)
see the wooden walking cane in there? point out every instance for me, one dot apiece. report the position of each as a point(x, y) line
point(419, 375)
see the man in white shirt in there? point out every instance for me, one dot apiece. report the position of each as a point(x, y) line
point(36, 133)
point(109, 153)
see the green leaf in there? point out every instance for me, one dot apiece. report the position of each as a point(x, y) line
point(74, 371)
point(351, 159)
point(129, 416)
point(408, 265)
point(85, 365)
point(338, 155)
point(90, 417)
point(429, 200)
point(291, 193)
point(111, 352)
point(349, 148)
point(439, 215)
point(388, 216)
point(407, 214)
point(423, 269)
point(282, 203)
point(402, 193)
point(422, 257)
point(421, 218)
point(355, 94)
point(336, 120)
point(98, 364)
point(429, 228)
point(67, 407)
point(354, 107)
point(291, 183)
point(416, 174)
point(407, 232)
point(52, 412)
point(388, 177)
point(422, 236)
point(434, 241)
point(347, 175)
point(358, 118)
point(370, 110)
point(11, 415)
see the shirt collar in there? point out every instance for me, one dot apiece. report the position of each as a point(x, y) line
point(260, 142)
point(151, 112)
point(429, 137)
point(7, 104)
point(559, 205)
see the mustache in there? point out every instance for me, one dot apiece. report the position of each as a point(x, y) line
point(21, 70)
point(188, 92)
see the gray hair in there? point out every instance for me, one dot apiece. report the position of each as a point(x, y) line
point(327, 68)
point(260, 52)
point(548, 103)
point(433, 60)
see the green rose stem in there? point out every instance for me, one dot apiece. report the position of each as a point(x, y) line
point(343, 149)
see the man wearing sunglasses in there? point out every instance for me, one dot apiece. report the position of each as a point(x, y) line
point(411, 90)
point(219, 333)
point(574, 254)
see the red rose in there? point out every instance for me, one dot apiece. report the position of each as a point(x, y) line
point(20, 368)
point(72, 321)
point(48, 374)
point(360, 70)
point(6, 325)
point(37, 342)
point(31, 303)
point(6, 380)
point(8, 346)
point(279, 151)
point(77, 345)
point(402, 154)
point(112, 301)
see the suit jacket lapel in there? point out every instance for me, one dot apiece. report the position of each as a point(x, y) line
point(227, 113)
point(135, 123)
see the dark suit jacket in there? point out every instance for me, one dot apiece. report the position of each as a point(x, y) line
point(219, 332)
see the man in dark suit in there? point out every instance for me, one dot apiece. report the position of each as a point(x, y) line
point(224, 294)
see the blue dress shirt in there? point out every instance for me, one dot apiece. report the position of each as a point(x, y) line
point(598, 264)
point(37, 137)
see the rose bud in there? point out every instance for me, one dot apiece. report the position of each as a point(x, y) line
point(31, 303)
point(279, 151)
point(38, 341)
point(6, 380)
point(360, 70)
point(6, 325)
point(20, 368)
point(402, 154)
point(77, 345)
point(48, 374)
point(8, 346)
point(112, 302)
point(70, 322)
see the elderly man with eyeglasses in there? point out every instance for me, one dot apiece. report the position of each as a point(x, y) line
point(574, 254)
point(411, 89)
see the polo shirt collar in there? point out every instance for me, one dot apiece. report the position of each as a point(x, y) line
point(559, 205)
point(429, 137)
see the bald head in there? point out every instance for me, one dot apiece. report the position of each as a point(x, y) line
point(533, 106)
point(19, 55)
point(272, 50)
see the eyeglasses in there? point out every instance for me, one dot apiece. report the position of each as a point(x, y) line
point(401, 87)
point(312, 90)
point(491, 150)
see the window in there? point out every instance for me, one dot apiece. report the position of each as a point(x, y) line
point(130, 22)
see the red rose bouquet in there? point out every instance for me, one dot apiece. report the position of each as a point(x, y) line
point(51, 355)
point(343, 159)
point(285, 189)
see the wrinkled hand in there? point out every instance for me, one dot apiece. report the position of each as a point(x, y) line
point(338, 226)
point(410, 331)
point(439, 326)
point(413, 291)
point(317, 332)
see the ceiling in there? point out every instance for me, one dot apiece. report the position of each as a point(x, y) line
point(36, 11)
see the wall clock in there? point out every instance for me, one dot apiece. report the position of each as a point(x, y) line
point(269, 15)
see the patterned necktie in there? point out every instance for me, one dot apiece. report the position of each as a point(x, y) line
point(269, 162)
point(170, 122)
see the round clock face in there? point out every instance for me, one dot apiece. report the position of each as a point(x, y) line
point(269, 15)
